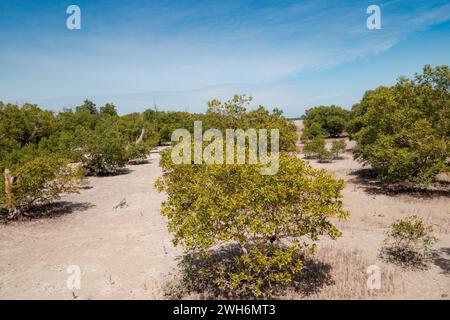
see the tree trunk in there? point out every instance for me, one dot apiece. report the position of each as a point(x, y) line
point(141, 137)
point(9, 197)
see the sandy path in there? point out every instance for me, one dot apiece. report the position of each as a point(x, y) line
point(122, 253)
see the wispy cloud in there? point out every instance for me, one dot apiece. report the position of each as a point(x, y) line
point(177, 47)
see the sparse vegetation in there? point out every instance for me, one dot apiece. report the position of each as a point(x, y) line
point(316, 149)
point(338, 147)
point(408, 242)
point(130, 169)
point(245, 235)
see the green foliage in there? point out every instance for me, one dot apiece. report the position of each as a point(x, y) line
point(338, 147)
point(87, 107)
point(137, 152)
point(20, 126)
point(403, 131)
point(108, 110)
point(312, 131)
point(315, 149)
point(233, 114)
point(102, 141)
point(102, 150)
point(325, 120)
point(233, 109)
point(165, 123)
point(96, 139)
point(43, 180)
point(262, 271)
point(408, 242)
point(263, 119)
point(230, 114)
point(272, 219)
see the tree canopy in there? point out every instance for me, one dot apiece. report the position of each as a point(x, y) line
point(325, 120)
point(275, 220)
point(403, 131)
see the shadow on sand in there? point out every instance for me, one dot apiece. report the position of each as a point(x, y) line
point(52, 210)
point(198, 275)
point(116, 172)
point(367, 179)
point(138, 162)
point(441, 262)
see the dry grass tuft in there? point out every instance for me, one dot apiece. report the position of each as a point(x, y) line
point(348, 271)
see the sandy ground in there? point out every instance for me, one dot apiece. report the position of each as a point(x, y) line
point(372, 211)
point(127, 253)
point(122, 253)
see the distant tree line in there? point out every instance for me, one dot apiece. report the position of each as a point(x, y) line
point(95, 141)
point(44, 153)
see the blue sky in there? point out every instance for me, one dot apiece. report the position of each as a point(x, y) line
point(179, 54)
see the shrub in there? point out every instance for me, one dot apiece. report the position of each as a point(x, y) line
point(316, 149)
point(403, 131)
point(314, 146)
point(40, 181)
point(338, 147)
point(332, 121)
point(101, 151)
point(312, 131)
point(137, 152)
point(408, 242)
point(272, 219)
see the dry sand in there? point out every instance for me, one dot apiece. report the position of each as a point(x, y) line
point(127, 253)
point(122, 253)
